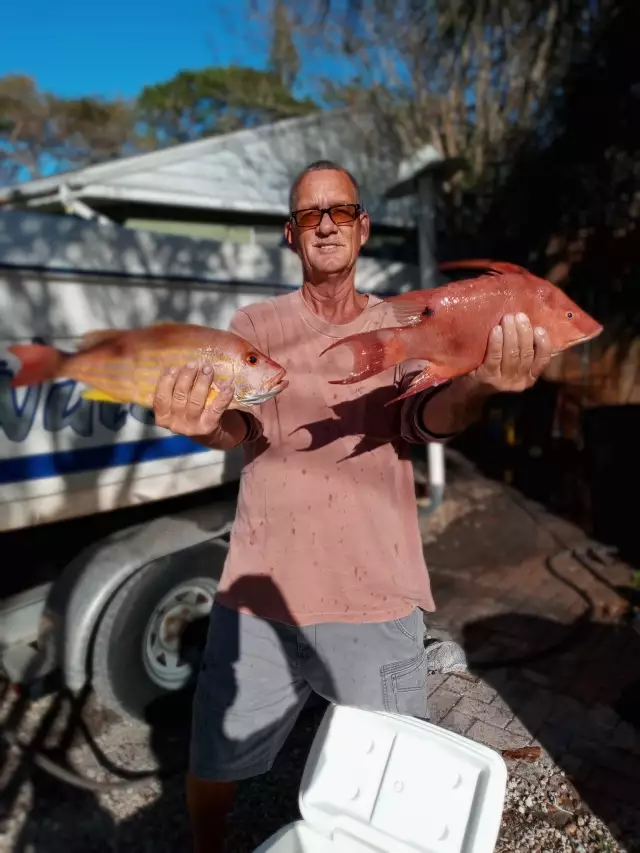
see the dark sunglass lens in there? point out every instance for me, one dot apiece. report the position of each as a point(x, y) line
point(308, 218)
point(344, 213)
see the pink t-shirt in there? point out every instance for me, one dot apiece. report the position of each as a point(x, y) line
point(326, 528)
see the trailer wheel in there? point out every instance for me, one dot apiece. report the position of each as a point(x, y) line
point(148, 644)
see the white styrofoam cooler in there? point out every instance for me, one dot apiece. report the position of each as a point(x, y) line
point(385, 783)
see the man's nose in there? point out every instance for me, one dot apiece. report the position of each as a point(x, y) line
point(326, 225)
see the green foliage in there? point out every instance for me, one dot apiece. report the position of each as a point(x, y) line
point(195, 104)
point(40, 132)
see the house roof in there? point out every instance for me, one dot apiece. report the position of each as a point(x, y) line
point(246, 171)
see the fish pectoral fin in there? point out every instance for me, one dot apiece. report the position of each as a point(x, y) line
point(408, 315)
point(430, 377)
point(99, 336)
point(371, 352)
point(411, 308)
point(99, 396)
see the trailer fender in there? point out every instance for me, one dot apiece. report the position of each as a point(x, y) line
point(78, 599)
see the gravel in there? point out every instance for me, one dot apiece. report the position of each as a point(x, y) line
point(542, 814)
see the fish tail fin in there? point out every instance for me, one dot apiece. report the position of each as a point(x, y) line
point(477, 264)
point(39, 363)
point(372, 353)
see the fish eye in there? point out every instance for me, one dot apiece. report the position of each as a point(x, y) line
point(252, 358)
point(569, 315)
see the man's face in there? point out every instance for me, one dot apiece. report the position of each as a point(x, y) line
point(326, 249)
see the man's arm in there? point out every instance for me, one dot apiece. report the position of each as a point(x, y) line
point(234, 428)
point(515, 358)
point(452, 408)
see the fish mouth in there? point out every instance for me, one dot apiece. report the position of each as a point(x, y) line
point(583, 339)
point(592, 335)
point(276, 380)
point(272, 389)
point(258, 399)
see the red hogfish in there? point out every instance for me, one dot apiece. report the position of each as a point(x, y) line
point(449, 326)
point(124, 366)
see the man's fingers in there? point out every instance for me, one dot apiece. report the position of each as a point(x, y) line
point(510, 348)
point(543, 352)
point(525, 343)
point(199, 393)
point(183, 386)
point(218, 406)
point(164, 393)
point(493, 357)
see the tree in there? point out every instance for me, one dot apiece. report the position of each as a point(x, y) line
point(196, 104)
point(473, 77)
point(283, 57)
point(41, 133)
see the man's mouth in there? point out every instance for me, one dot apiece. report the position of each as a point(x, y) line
point(327, 247)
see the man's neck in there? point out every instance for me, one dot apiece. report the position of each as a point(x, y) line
point(335, 300)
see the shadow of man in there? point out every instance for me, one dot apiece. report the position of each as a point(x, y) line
point(264, 802)
point(60, 818)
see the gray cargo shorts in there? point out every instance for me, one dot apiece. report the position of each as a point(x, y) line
point(256, 676)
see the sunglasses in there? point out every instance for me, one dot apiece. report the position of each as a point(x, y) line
point(340, 214)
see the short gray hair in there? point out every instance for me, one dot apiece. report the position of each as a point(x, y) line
point(322, 166)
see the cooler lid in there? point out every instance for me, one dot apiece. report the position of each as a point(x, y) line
point(394, 783)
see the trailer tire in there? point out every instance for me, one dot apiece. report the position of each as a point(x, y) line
point(147, 646)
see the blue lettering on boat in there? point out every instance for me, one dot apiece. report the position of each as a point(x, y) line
point(16, 419)
point(63, 408)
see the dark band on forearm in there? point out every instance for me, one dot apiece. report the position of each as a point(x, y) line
point(248, 423)
point(419, 415)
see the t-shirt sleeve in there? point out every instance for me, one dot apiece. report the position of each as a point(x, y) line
point(241, 324)
point(412, 428)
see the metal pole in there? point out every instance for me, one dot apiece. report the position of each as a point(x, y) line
point(426, 231)
point(427, 256)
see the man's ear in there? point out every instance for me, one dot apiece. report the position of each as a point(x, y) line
point(365, 228)
point(288, 236)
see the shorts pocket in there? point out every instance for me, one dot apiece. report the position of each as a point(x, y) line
point(404, 686)
point(411, 625)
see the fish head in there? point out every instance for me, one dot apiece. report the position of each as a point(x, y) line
point(566, 323)
point(257, 378)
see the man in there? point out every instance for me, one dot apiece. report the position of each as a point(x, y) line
point(325, 574)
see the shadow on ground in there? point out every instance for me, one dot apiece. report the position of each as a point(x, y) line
point(576, 689)
point(145, 810)
point(64, 819)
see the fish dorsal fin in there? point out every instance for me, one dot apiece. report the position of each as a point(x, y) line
point(99, 336)
point(491, 267)
point(411, 308)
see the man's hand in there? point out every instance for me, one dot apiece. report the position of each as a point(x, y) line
point(516, 356)
point(179, 405)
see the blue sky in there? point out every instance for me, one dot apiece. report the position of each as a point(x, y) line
point(115, 48)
